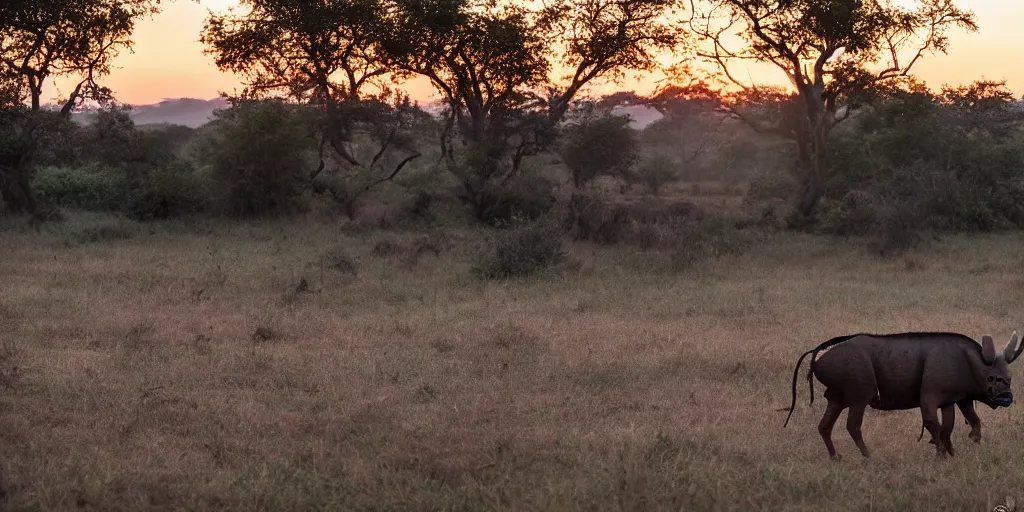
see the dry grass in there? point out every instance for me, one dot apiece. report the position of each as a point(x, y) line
point(191, 369)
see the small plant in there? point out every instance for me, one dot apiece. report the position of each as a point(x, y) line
point(855, 215)
point(340, 260)
point(263, 334)
point(655, 172)
point(523, 251)
point(711, 237)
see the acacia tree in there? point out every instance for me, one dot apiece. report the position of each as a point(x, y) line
point(495, 64)
point(834, 52)
point(323, 55)
point(43, 39)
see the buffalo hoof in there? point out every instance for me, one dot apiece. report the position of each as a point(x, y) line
point(836, 458)
point(975, 437)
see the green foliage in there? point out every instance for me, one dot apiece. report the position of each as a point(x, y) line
point(953, 161)
point(92, 188)
point(708, 237)
point(655, 171)
point(168, 192)
point(301, 48)
point(771, 184)
point(161, 193)
point(491, 62)
point(523, 251)
point(526, 197)
point(599, 145)
point(258, 156)
point(856, 214)
point(113, 140)
point(647, 223)
point(867, 38)
point(77, 39)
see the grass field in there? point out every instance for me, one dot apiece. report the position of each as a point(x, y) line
point(189, 369)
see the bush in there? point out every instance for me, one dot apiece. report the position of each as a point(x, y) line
point(855, 215)
point(523, 251)
point(93, 189)
point(171, 191)
point(713, 236)
point(259, 158)
point(161, 193)
point(947, 162)
point(655, 171)
point(900, 229)
point(771, 185)
point(648, 223)
point(527, 197)
point(599, 145)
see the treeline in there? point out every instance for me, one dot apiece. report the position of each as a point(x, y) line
point(856, 147)
point(950, 160)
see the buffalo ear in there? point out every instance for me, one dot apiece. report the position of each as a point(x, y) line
point(1013, 348)
point(988, 350)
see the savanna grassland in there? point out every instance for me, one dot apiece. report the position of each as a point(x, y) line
point(287, 366)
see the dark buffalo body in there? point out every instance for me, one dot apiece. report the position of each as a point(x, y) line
point(926, 370)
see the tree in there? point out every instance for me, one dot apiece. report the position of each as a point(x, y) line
point(493, 63)
point(257, 152)
point(834, 52)
point(42, 39)
point(599, 144)
point(76, 38)
point(321, 54)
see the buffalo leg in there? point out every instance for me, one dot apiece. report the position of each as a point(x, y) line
point(967, 408)
point(948, 420)
point(931, 422)
point(828, 420)
point(854, 419)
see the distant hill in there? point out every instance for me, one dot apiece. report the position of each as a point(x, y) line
point(194, 112)
point(189, 112)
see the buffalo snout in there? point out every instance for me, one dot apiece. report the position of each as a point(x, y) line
point(1004, 399)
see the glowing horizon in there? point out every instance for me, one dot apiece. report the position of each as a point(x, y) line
point(168, 60)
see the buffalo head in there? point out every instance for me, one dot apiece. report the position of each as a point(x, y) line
point(993, 372)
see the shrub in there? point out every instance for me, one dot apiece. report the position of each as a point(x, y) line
point(713, 236)
point(899, 230)
point(91, 188)
point(855, 215)
point(171, 191)
point(160, 193)
point(655, 171)
point(258, 157)
point(648, 223)
point(523, 251)
point(599, 145)
point(527, 197)
point(593, 218)
point(771, 185)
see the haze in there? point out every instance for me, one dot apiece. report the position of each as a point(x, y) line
point(168, 61)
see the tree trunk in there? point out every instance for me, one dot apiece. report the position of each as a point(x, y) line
point(812, 155)
point(16, 191)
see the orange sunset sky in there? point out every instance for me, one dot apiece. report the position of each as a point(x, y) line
point(168, 60)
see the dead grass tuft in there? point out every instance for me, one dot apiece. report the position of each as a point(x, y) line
point(263, 334)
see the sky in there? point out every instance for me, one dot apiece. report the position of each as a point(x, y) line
point(168, 60)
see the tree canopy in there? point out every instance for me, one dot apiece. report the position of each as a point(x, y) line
point(42, 39)
point(311, 51)
point(835, 54)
